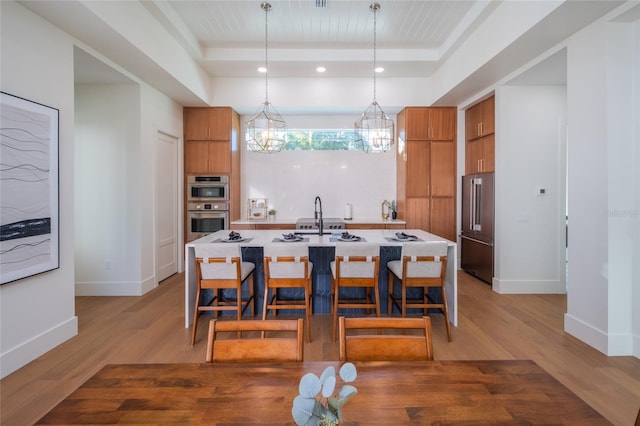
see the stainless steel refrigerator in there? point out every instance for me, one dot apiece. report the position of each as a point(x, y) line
point(476, 239)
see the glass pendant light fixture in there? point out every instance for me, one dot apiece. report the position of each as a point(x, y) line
point(266, 131)
point(374, 130)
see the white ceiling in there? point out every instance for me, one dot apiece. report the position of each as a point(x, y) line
point(229, 36)
point(227, 39)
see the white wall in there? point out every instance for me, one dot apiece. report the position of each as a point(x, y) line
point(107, 157)
point(530, 154)
point(604, 187)
point(623, 45)
point(635, 231)
point(327, 95)
point(117, 128)
point(290, 180)
point(37, 313)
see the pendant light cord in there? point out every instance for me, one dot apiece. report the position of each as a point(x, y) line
point(266, 7)
point(374, 8)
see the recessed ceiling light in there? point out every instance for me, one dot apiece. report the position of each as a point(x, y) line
point(321, 69)
point(262, 69)
point(379, 69)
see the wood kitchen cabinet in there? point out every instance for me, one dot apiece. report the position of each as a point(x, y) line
point(429, 124)
point(426, 169)
point(284, 226)
point(480, 119)
point(480, 155)
point(480, 137)
point(203, 157)
point(211, 140)
point(208, 124)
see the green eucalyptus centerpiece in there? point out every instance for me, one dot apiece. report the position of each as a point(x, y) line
point(318, 403)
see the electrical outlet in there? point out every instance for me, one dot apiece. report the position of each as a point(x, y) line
point(107, 265)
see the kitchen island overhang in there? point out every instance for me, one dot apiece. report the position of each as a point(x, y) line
point(320, 251)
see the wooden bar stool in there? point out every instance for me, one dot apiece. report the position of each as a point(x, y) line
point(356, 265)
point(287, 266)
point(423, 264)
point(220, 267)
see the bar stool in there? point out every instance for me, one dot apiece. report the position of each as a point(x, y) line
point(423, 264)
point(220, 267)
point(356, 264)
point(287, 266)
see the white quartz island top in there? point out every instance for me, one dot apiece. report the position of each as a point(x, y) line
point(254, 237)
point(262, 238)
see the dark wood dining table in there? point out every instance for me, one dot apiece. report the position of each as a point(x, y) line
point(389, 393)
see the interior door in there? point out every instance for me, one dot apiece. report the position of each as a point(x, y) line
point(166, 206)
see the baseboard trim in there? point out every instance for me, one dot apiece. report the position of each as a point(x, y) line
point(528, 286)
point(126, 288)
point(625, 344)
point(21, 355)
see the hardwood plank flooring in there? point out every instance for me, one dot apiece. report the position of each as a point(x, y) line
point(150, 329)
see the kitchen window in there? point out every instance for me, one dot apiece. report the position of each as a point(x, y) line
point(321, 139)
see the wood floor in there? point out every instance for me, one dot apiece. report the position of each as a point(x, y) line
point(150, 329)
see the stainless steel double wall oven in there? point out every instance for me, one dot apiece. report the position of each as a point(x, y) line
point(207, 205)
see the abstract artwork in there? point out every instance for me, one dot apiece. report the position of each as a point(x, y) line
point(29, 240)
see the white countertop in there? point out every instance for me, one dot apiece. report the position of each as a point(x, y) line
point(263, 237)
point(293, 220)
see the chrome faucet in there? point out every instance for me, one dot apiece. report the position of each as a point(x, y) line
point(317, 214)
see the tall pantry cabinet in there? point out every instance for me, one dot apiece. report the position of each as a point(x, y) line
point(211, 147)
point(426, 169)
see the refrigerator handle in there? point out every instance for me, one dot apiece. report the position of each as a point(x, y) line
point(476, 201)
point(472, 204)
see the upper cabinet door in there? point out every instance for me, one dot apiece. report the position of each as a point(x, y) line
point(207, 124)
point(473, 117)
point(220, 124)
point(488, 116)
point(480, 119)
point(417, 123)
point(442, 124)
point(196, 124)
point(196, 157)
point(425, 123)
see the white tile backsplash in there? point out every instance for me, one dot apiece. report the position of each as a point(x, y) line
point(291, 180)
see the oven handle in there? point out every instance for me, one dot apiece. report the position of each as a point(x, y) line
point(209, 213)
point(205, 184)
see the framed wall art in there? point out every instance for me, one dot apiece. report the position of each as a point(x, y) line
point(29, 188)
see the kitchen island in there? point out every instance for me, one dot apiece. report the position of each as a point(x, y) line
point(321, 253)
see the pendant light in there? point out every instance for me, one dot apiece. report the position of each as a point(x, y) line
point(266, 131)
point(374, 130)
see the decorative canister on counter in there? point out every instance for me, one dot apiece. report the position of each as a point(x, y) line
point(348, 212)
